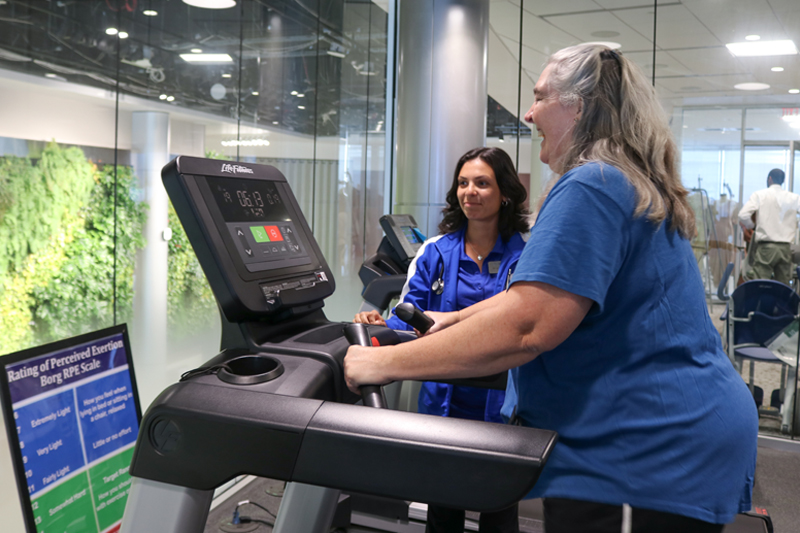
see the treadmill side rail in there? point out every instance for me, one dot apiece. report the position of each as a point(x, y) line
point(458, 463)
point(200, 436)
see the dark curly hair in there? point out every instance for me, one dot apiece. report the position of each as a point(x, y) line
point(513, 216)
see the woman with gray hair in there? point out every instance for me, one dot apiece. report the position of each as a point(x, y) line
point(605, 326)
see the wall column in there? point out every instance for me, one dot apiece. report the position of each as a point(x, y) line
point(150, 152)
point(441, 99)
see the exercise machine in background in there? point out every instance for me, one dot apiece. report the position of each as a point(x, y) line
point(384, 273)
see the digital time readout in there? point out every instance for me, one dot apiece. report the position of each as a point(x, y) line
point(242, 200)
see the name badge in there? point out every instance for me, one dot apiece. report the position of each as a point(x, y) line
point(494, 267)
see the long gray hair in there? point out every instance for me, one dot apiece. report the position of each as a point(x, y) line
point(623, 124)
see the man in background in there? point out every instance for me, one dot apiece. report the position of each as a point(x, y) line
point(775, 213)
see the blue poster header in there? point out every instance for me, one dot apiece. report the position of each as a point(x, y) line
point(48, 372)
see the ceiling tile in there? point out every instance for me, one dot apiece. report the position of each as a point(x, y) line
point(543, 36)
point(677, 27)
point(732, 20)
point(583, 25)
point(666, 64)
point(708, 60)
point(616, 4)
point(548, 7)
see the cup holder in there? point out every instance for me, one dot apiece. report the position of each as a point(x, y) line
point(250, 369)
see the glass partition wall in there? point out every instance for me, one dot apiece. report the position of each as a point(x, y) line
point(99, 93)
point(94, 91)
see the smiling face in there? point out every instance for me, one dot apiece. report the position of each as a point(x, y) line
point(554, 121)
point(478, 193)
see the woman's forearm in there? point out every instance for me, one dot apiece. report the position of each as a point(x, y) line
point(513, 330)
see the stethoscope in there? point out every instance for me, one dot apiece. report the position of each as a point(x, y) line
point(438, 284)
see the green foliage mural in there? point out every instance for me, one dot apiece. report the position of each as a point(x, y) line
point(190, 303)
point(58, 272)
point(57, 246)
point(79, 295)
point(191, 306)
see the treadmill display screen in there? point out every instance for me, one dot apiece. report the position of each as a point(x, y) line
point(408, 231)
point(259, 222)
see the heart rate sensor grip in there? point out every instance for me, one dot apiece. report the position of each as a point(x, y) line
point(413, 317)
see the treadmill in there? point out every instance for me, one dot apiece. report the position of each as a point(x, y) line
point(273, 402)
point(384, 273)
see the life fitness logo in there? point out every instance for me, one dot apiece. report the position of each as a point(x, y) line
point(236, 169)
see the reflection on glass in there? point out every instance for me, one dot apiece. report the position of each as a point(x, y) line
point(710, 161)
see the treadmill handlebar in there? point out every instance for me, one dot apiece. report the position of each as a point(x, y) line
point(371, 395)
point(414, 317)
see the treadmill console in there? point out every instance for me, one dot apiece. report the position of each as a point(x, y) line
point(250, 237)
point(402, 233)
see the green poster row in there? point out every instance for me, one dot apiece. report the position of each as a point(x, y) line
point(91, 502)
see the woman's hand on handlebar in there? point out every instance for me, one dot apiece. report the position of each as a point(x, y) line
point(369, 317)
point(360, 368)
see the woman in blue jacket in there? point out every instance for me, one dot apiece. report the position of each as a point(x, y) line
point(472, 259)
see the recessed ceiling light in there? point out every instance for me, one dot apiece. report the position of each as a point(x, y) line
point(609, 44)
point(301, 95)
point(274, 121)
point(162, 97)
point(196, 50)
point(150, 12)
point(170, 98)
point(752, 37)
point(777, 69)
point(207, 58)
point(226, 75)
point(293, 93)
point(122, 35)
point(605, 34)
point(255, 93)
point(50, 75)
point(112, 31)
point(794, 91)
point(763, 48)
point(751, 86)
point(211, 4)
point(301, 107)
point(334, 53)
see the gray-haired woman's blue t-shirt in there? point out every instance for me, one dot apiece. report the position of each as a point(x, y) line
point(648, 407)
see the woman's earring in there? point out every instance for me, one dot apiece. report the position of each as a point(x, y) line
point(505, 202)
